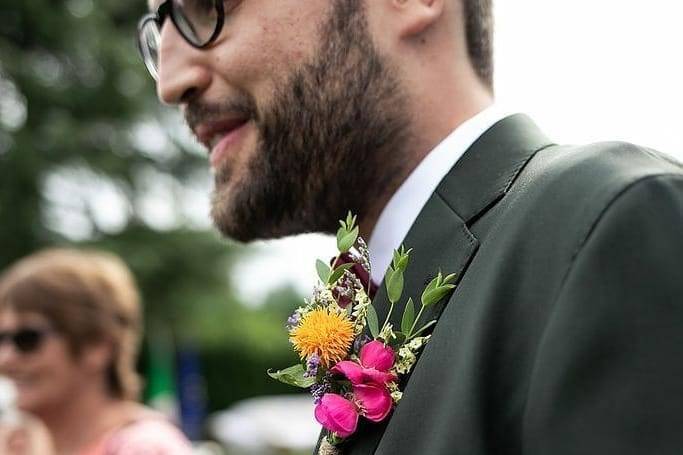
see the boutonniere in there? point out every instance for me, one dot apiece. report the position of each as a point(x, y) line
point(351, 363)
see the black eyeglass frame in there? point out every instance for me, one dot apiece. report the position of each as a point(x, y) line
point(13, 337)
point(166, 10)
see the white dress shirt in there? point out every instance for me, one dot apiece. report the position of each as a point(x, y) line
point(405, 205)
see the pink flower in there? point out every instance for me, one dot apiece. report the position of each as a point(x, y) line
point(375, 401)
point(337, 414)
point(340, 416)
point(370, 397)
point(376, 360)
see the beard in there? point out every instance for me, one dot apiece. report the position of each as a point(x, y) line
point(332, 140)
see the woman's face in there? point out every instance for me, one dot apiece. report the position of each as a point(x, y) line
point(38, 360)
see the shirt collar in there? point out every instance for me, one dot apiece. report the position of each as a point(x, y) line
point(405, 205)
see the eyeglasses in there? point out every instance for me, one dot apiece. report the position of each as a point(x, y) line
point(25, 340)
point(199, 22)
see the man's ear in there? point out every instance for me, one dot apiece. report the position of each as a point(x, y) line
point(416, 16)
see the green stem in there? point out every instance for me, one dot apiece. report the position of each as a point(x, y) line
point(334, 263)
point(386, 321)
point(429, 324)
point(369, 283)
point(419, 314)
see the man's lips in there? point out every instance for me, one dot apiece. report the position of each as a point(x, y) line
point(219, 136)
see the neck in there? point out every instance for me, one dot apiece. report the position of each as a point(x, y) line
point(434, 127)
point(80, 420)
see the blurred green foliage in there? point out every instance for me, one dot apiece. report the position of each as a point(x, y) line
point(73, 97)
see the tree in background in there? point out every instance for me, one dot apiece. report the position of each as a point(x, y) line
point(85, 159)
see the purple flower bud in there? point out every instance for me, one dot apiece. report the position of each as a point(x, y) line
point(312, 366)
point(293, 321)
point(359, 272)
point(320, 389)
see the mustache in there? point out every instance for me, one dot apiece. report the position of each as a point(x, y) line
point(242, 105)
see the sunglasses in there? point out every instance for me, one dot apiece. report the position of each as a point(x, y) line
point(25, 340)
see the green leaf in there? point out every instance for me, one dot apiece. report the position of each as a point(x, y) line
point(346, 240)
point(449, 278)
point(394, 285)
point(323, 270)
point(403, 263)
point(293, 375)
point(433, 296)
point(373, 321)
point(430, 287)
point(341, 232)
point(396, 258)
point(408, 316)
point(399, 260)
point(350, 220)
point(338, 272)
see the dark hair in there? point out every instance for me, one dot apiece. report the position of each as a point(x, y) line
point(88, 296)
point(478, 15)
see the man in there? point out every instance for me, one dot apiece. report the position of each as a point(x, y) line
point(564, 334)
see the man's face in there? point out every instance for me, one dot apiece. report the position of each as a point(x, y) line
point(304, 119)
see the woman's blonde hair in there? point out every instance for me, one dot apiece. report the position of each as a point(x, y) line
point(88, 297)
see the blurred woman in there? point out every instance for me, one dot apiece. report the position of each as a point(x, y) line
point(69, 332)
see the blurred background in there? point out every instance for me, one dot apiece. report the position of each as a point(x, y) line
point(88, 157)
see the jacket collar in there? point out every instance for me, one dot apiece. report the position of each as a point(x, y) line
point(489, 167)
point(404, 206)
point(440, 236)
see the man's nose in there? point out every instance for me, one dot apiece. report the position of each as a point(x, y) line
point(183, 70)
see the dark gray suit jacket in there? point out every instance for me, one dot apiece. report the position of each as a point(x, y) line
point(565, 332)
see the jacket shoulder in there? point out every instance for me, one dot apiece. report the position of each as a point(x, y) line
point(600, 166)
point(584, 179)
point(565, 190)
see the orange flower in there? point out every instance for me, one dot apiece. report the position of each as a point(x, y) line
point(325, 332)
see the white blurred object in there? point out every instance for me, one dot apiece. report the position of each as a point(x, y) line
point(267, 424)
point(20, 433)
point(274, 264)
point(207, 448)
point(8, 398)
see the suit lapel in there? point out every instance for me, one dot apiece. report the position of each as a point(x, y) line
point(440, 236)
point(490, 166)
point(437, 221)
